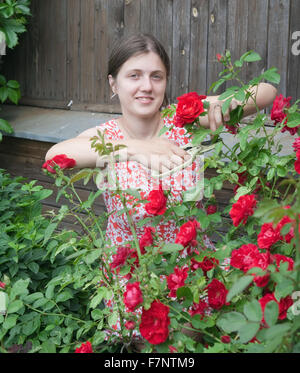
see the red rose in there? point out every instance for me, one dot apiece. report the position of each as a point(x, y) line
point(216, 293)
point(199, 308)
point(129, 325)
point(146, 239)
point(85, 348)
point(244, 257)
point(172, 349)
point(219, 57)
point(297, 162)
point(187, 233)
point(284, 304)
point(278, 258)
point(61, 160)
point(268, 236)
point(296, 144)
point(154, 326)
point(2, 285)
point(242, 209)
point(211, 209)
point(157, 202)
point(225, 339)
point(232, 128)
point(290, 235)
point(206, 265)
point(119, 259)
point(132, 296)
point(278, 115)
point(189, 107)
point(261, 261)
point(176, 280)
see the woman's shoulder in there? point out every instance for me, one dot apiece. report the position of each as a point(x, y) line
point(111, 128)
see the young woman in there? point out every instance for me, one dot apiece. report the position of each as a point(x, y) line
point(138, 72)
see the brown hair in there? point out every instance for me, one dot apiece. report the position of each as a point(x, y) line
point(133, 45)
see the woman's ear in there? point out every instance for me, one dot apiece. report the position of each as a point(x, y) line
point(112, 83)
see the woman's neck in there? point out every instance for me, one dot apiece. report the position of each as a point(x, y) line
point(140, 128)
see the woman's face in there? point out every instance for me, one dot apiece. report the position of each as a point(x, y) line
point(140, 85)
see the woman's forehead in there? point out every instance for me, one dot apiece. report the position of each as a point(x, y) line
point(149, 61)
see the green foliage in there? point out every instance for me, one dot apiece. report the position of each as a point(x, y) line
point(13, 18)
point(51, 276)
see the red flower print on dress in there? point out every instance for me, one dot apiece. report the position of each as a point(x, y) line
point(61, 160)
point(188, 109)
point(133, 296)
point(176, 280)
point(155, 321)
point(157, 204)
point(242, 209)
point(84, 348)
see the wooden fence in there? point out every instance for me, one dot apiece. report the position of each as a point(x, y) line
point(64, 54)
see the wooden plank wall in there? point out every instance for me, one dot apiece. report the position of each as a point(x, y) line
point(64, 54)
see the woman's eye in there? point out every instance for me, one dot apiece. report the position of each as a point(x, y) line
point(134, 76)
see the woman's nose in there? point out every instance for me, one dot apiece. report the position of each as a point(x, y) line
point(146, 84)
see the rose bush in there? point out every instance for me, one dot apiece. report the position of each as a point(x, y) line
point(239, 298)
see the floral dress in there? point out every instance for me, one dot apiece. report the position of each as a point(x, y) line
point(134, 175)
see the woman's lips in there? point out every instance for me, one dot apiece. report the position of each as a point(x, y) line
point(144, 99)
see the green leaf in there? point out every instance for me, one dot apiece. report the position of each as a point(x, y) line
point(14, 306)
point(274, 331)
point(65, 295)
point(92, 256)
point(186, 293)
point(48, 232)
point(239, 286)
point(248, 331)
point(252, 310)
point(20, 287)
point(48, 347)
point(5, 126)
point(284, 288)
point(271, 75)
point(231, 321)
point(97, 314)
point(171, 248)
point(10, 321)
point(271, 313)
point(252, 57)
point(13, 84)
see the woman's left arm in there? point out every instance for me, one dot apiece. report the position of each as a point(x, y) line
point(264, 94)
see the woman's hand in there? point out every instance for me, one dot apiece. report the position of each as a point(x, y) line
point(157, 154)
point(214, 118)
